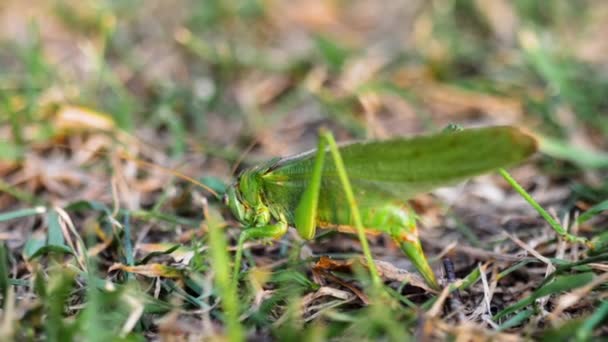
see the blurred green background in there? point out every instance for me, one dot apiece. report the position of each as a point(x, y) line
point(221, 73)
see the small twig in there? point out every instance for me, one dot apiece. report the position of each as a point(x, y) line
point(446, 250)
point(486, 291)
point(436, 308)
point(137, 310)
point(484, 307)
point(80, 245)
point(530, 250)
point(488, 319)
point(115, 196)
point(477, 253)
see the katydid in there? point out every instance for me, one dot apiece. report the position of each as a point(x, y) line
point(304, 190)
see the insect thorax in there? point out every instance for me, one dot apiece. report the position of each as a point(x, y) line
point(245, 200)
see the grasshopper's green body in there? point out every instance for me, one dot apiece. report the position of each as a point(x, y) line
point(304, 190)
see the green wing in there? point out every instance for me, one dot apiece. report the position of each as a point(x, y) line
point(396, 169)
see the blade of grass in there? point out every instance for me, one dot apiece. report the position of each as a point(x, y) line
point(11, 215)
point(57, 294)
point(350, 197)
point(220, 263)
point(586, 329)
point(8, 325)
point(552, 222)
point(54, 241)
point(560, 284)
point(334, 55)
point(127, 245)
point(151, 255)
point(55, 233)
point(596, 258)
point(92, 325)
point(515, 267)
point(171, 287)
point(582, 157)
point(593, 211)
point(4, 273)
point(516, 320)
point(19, 194)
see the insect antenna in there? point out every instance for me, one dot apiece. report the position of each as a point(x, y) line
point(146, 164)
point(241, 157)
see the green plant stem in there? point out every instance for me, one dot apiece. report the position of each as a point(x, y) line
point(350, 197)
point(226, 291)
point(552, 222)
point(19, 194)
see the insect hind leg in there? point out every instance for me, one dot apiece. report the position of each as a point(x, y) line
point(400, 223)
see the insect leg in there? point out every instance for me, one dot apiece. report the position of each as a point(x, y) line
point(407, 239)
point(306, 212)
point(272, 231)
point(400, 223)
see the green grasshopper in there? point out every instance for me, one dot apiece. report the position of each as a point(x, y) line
point(304, 190)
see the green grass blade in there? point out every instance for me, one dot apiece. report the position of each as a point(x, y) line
point(220, 262)
point(582, 157)
point(586, 329)
point(560, 284)
point(516, 320)
point(128, 245)
point(333, 54)
point(552, 222)
point(4, 272)
point(515, 267)
point(54, 241)
point(58, 292)
point(11, 215)
point(593, 211)
point(93, 325)
point(353, 205)
point(55, 233)
point(18, 193)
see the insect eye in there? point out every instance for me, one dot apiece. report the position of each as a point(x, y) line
point(225, 199)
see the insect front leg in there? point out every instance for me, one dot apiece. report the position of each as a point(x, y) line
point(271, 231)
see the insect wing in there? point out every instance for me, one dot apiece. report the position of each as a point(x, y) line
point(397, 169)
